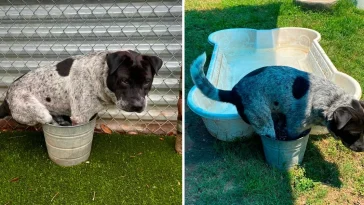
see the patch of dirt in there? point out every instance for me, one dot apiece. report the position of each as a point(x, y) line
point(334, 196)
point(228, 186)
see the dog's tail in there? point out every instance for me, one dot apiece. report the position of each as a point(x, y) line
point(202, 83)
point(4, 109)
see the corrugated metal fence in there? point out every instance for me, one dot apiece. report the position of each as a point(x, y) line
point(36, 32)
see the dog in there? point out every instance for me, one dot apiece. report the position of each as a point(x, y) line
point(301, 99)
point(81, 86)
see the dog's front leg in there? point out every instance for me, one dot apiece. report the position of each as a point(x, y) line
point(296, 127)
point(83, 101)
point(82, 117)
point(78, 120)
point(82, 110)
point(260, 118)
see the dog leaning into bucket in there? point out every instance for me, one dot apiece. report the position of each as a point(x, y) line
point(304, 100)
point(81, 86)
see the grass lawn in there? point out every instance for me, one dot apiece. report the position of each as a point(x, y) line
point(122, 169)
point(235, 173)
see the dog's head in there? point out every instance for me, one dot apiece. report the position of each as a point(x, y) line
point(130, 78)
point(348, 125)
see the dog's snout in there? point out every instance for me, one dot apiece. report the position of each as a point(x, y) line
point(358, 146)
point(137, 108)
point(137, 105)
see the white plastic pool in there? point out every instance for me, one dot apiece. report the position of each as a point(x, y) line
point(240, 51)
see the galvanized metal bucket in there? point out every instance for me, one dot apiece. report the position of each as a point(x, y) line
point(284, 154)
point(69, 145)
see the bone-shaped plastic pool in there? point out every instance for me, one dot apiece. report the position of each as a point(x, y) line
point(240, 51)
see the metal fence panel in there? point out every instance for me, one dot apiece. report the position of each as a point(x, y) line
point(35, 32)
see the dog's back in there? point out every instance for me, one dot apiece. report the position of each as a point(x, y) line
point(49, 88)
point(52, 84)
point(281, 83)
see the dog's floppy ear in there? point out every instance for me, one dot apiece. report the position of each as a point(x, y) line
point(361, 103)
point(357, 105)
point(341, 117)
point(155, 62)
point(114, 60)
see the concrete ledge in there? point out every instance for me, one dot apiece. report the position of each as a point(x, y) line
point(316, 4)
point(359, 4)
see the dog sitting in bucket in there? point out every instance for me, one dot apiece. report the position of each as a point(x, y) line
point(81, 86)
point(300, 98)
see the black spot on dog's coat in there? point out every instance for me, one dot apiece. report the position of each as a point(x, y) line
point(48, 99)
point(64, 67)
point(256, 72)
point(236, 100)
point(300, 87)
point(276, 103)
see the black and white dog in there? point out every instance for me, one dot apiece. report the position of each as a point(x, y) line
point(304, 100)
point(81, 86)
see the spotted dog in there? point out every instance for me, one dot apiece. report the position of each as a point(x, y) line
point(302, 99)
point(81, 86)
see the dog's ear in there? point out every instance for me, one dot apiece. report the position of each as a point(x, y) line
point(342, 116)
point(357, 105)
point(155, 62)
point(114, 61)
point(361, 103)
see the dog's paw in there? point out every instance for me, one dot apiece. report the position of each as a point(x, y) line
point(54, 123)
point(75, 120)
point(65, 123)
point(78, 120)
point(62, 120)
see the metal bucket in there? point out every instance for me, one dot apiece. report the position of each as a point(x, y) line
point(69, 145)
point(284, 154)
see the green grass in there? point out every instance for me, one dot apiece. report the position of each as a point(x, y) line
point(122, 169)
point(236, 173)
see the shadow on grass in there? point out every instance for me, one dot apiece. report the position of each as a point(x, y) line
point(317, 168)
point(31, 143)
point(199, 144)
point(218, 172)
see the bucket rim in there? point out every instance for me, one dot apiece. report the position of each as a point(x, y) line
point(276, 140)
point(93, 118)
